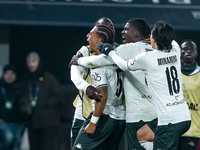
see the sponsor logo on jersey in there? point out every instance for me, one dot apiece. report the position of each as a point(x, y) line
point(78, 146)
point(147, 96)
point(167, 60)
point(96, 77)
point(176, 103)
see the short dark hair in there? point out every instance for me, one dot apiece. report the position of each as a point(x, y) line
point(141, 25)
point(107, 22)
point(164, 34)
point(105, 33)
point(189, 41)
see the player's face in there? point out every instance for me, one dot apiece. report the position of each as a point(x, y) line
point(188, 52)
point(32, 64)
point(93, 40)
point(128, 34)
point(9, 76)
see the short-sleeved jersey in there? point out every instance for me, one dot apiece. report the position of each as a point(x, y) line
point(191, 92)
point(165, 83)
point(139, 102)
point(111, 77)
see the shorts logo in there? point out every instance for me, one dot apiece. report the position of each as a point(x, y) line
point(78, 146)
point(191, 143)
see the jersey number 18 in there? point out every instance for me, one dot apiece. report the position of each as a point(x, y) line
point(172, 80)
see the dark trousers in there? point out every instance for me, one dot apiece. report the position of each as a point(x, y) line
point(43, 138)
point(11, 135)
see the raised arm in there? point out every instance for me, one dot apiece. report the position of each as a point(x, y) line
point(95, 61)
point(137, 63)
point(121, 63)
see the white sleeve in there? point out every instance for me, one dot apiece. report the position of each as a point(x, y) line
point(138, 63)
point(99, 77)
point(95, 61)
point(176, 47)
point(174, 44)
point(77, 79)
point(84, 51)
point(121, 63)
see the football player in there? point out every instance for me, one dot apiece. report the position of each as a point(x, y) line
point(80, 76)
point(104, 128)
point(163, 70)
point(140, 108)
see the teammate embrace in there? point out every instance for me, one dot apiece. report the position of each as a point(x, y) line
point(151, 83)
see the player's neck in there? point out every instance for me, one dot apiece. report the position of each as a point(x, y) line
point(188, 65)
point(139, 39)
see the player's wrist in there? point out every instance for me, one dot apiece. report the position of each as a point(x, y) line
point(107, 50)
point(94, 119)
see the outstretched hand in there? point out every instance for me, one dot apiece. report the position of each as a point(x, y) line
point(93, 93)
point(104, 48)
point(74, 60)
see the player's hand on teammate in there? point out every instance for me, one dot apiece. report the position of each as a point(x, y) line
point(74, 60)
point(104, 48)
point(93, 93)
point(148, 40)
point(90, 128)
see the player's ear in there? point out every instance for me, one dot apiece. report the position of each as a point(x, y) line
point(137, 33)
point(99, 40)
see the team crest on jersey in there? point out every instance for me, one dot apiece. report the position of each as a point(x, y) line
point(96, 77)
point(132, 62)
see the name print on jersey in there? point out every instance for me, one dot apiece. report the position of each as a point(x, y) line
point(167, 60)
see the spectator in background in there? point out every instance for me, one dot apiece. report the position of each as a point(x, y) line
point(11, 126)
point(191, 89)
point(41, 96)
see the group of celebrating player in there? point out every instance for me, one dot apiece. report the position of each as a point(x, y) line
point(136, 89)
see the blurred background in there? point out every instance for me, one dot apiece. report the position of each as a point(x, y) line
point(56, 29)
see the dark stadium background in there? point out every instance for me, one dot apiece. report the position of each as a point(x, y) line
point(57, 45)
point(57, 29)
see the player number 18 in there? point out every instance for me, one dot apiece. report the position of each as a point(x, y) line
point(172, 80)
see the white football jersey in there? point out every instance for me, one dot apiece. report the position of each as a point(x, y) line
point(165, 83)
point(111, 77)
point(78, 80)
point(139, 101)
